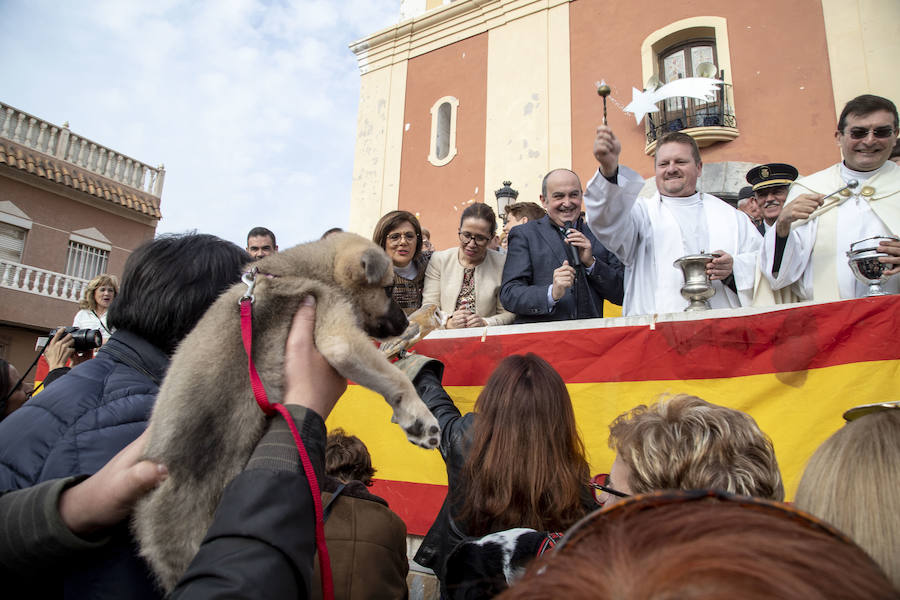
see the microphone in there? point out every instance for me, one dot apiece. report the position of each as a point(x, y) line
point(576, 258)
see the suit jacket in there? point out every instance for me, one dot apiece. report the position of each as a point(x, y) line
point(443, 279)
point(534, 251)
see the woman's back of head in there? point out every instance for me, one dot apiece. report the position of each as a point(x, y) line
point(701, 545)
point(852, 481)
point(526, 465)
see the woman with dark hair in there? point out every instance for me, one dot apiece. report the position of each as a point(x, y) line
point(464, 282)
point(400, 234)
point(517, 461)
point(98, 295)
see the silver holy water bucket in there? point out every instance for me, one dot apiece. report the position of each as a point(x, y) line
point(863, 260)
point(697, 288)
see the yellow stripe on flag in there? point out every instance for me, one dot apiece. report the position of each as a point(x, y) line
point(797, 410)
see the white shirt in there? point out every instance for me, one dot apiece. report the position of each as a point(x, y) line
point(689, 214)
point(88, 319)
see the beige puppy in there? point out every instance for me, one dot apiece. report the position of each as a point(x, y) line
point(206, 422)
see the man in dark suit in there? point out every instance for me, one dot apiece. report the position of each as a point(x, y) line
point(555, 268)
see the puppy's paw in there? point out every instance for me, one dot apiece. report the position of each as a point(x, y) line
point(424, 432)
point(411, 414)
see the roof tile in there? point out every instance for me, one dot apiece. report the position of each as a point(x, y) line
point(52, 169)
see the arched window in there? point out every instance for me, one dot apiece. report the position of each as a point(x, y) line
point(694, 47)
point(442, 148)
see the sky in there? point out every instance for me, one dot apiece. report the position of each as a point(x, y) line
point(251, 105)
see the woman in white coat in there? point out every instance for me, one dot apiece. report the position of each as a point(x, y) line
point(465, 281)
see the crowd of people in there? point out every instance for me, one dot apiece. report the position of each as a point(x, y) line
point(691, 506)
point(556, 262)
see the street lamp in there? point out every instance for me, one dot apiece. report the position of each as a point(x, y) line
point(505, 196)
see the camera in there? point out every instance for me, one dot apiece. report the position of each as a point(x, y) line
point(85, 339)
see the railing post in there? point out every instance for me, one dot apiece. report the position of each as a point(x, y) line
point(42, 134)
point(160, 177)
point(29, 132)
point(63, 144)
point(17, 134)
point(7, 123)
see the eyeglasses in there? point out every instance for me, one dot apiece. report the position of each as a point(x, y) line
point(465, 237)
point(599, 483)
point(409, 236)
point(858, 133)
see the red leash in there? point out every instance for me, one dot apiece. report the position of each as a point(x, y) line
point(270, 409)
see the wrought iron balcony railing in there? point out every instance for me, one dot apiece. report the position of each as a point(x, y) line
point(691, 114)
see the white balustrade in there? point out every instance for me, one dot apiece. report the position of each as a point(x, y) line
point(46, 137)
point(41, 282)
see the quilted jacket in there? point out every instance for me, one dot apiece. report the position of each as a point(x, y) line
point(74, 427)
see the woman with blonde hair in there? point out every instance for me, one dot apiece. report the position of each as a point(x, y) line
point(98, 295)
point(516, 461)
point(852, 481)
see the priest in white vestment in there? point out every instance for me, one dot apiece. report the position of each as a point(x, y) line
point(804, 256)
point(649, 234)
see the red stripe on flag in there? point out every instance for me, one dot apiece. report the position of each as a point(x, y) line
point(416, 503)
point(794, 339)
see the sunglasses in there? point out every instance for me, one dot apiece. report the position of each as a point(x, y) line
point(858, 133)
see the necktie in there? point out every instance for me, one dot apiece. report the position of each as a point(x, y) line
point(585, 308)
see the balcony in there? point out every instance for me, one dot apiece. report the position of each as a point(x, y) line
point(32, 280)
point(706, 122)
point(60, 143)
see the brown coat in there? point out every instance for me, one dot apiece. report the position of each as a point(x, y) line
point(367, 545)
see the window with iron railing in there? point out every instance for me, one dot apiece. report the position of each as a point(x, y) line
point(85, 261)
point(692, 58)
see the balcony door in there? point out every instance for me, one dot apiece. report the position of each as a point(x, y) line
point(689, 59)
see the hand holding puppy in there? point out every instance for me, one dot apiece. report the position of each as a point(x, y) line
point(309, 380)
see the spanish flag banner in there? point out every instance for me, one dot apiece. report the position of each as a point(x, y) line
point(795, 370)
